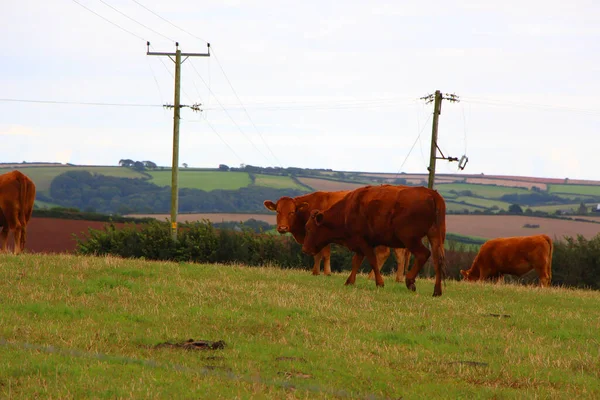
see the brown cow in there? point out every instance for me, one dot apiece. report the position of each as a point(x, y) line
point(17, 194)
point(384, 216)
point(293, 213)
point(513, 256)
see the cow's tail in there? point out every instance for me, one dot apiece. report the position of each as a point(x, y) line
point(25, 207)
point(440, 225)
point(551, 244)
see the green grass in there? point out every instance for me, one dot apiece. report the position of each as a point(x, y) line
point(554, 207)
point(44, 204)
point(204, 180)
point(457, 207)
point(575, 189)
point(43, 176)
point(477, 201)
point(278, 182)
point(78, 327)
point(487, 191)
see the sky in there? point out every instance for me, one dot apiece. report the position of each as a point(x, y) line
point(312, 84)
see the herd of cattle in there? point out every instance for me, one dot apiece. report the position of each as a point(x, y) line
point(372, 219)
point(369, 221)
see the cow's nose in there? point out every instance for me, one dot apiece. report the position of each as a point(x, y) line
point(282, 229)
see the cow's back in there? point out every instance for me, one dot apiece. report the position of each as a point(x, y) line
point(384, 213)
point(514, 255)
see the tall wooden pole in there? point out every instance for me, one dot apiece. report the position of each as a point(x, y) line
point(176, 116)
point(175, 163)
point(437, 108)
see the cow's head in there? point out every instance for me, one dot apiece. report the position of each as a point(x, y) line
point(318, 234)
point(468, 275)
point(291, 214)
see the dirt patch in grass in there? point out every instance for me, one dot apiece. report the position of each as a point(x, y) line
point(192, 344)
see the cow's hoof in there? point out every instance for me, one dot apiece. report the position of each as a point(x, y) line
point(437, 294)
point(327, 274)
point(410, 284)
point(315, 273)
point(348, 283)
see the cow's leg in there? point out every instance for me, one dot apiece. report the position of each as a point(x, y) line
point(4, 236)
point(357, 259)
point(421, 254)
point(382, 253)
point(402, 260)
point(317, 265)
point(371, 255)
point(12, 222)
point(326, 252)
point(439, 260)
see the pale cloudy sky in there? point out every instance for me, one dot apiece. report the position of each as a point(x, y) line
point(325, 84)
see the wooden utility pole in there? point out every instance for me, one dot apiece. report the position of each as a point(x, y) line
point(437, 98)
point(176, 116)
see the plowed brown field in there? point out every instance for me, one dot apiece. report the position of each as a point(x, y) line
point(51, 235)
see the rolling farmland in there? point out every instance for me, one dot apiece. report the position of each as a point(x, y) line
point(203, 180)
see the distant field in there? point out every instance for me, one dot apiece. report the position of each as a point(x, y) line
point(480, 190)
point(204, 180)
point(44, 204)
point(554, 207)
point(482, 202)
point(212, 217)
point(327, 185)
point(481, 226)
point(575, 189)
point(278, 182)
point(493, 226)
point(43, 176)
point(505, 182)
point(457, 207)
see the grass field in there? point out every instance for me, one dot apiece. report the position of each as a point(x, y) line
point(75, 327)
point(487, 203)
point(487, 191)
point(451, 206)
point(554, 207)
point(278, 182)
point(204, 180)
point(43, 176)
point(575, 189)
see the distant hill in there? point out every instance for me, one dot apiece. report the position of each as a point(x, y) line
point(120, 189)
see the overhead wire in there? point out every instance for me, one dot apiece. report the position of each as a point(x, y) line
point(167, 21)
point(413, 146)
point(79, 103)
point(494, 102)
point(109, 21)
point(223, 140)
point(137, 22)
point(230, 117)
point(246, 111)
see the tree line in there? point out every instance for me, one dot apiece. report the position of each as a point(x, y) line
point(107, 194)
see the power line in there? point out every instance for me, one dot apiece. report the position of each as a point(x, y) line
point(167, 21)
point(109, 21)
point(137, 22)
point(229, 115)
point(80, 103)
point(413, 146)
point(492, 102)
point(223, 140)
point(246, 111)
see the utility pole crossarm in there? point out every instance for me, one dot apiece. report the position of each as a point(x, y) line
point(176, 117)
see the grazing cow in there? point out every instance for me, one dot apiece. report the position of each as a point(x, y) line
point(384, 216)
point(17, 194)
point(513, 256)
point(293, 213)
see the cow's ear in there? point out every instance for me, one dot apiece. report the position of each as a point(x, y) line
point(318, 216)
point(302, 206)
point(269, 205)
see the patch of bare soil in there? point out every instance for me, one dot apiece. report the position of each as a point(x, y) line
point(192, 344)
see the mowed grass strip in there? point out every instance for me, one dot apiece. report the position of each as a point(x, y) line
point(575, 189)
point(204, 180)
point(487, 191)
point(75, 327)
point(43, 176)
point(277, 182)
